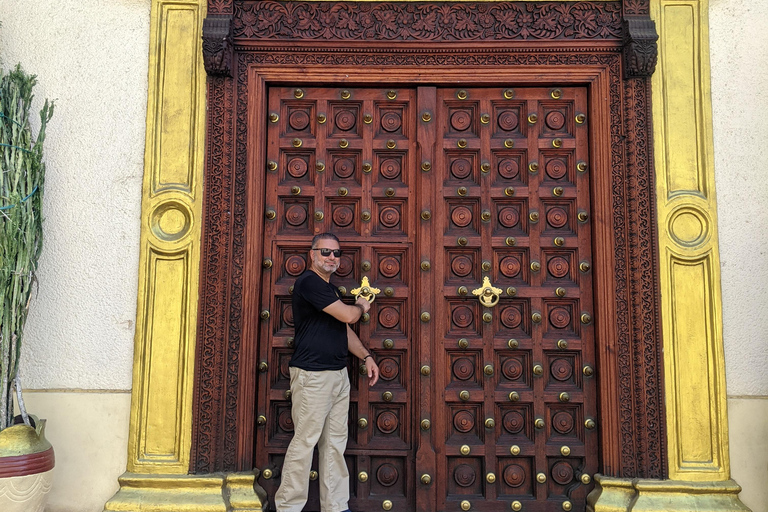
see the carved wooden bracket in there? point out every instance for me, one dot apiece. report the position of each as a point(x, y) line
point(640, 50)
point(218, 50)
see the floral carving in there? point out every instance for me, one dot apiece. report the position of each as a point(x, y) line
point(407, 21)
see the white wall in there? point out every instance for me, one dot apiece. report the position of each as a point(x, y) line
point(91, 57)
point(739, 60)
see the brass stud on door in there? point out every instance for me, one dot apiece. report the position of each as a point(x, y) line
point(534, 216)
point(387, 396)
point(426, 166)
point(584, 266)
point(362, 476)
point(272, 166)
point(510, 241)
point(532, 118)
point(565, 451)
point(536, 317)
point(588, 371)
point(264, 314)
point(287, 394)
point(464, 395)
point(342, 191)
point(266, 474)
point(567, 506)
point(425, 317)
point(296, 143)
point(298, 94)
point(391, 144)
point(426, 479)
point(580, 118)
point(367, 118)
point(539, 423)
point(509, 94)
point(462, 191)
point(389, 291)
point(463, 343)
point(319, 215)
point(557, 191)
point(535, 266)
point(319, 167)
point(266, 263)
point(273, 117)
point(488, 370)
point(462, 290)
point(485, 215)
point(389, 192)
point(514, 450)
point(343, 143)
point(509, 143)
point(462, 95)
point(462, 240)
point(585, 479)
point(461, 143)
point(425, 424)
point(261, 420)
point(367, 167)
point(362, 423)
point(425, 265)
point(557, 143)
point(485, 119)
point(556, 94)
point(426, 117)
point(365, 215)
point(586, 318)
point(263, 366)
point(582, 216)
point(321, 118)
point(589, 423)
point(270, 214)
point(513, 343)
point(533, 167)
point(426, 214)
point(465, 505)
point(490, 478)
point(391, 95)
point(562, 344)
point(541, 478)
point(365, 265)
point(581, 166)
point(290, 339)
point(511, 291)
point(538, 369)
point(560, 291)
point(386, 505)
point(514, 396)
point(564, 397)
point(558, 241)
point(464, 450)
point(388, 343)
point(509, 191)
point(345, 95)
point(425, 370)
point(516, 506)
point(485, 167)
point(487, 317)
point(490, 423)
point(296, 190)
point(486, 266)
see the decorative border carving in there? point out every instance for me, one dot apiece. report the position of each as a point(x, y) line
point(424, 21)
point(638, 388)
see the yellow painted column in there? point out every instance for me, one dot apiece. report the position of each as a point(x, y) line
point(166, 319)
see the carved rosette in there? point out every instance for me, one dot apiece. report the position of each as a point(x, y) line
point(640, 50)
point(218, 50)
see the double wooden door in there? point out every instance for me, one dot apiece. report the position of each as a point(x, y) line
point(469, 210)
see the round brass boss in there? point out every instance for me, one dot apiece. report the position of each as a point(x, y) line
point(362, 476)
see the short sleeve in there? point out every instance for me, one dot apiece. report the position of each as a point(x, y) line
point(317, 292)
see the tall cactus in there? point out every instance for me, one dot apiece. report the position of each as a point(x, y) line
point(21, 233)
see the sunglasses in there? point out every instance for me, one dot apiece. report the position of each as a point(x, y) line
point(327, 252)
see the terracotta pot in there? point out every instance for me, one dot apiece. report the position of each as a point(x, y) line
point(26, 468)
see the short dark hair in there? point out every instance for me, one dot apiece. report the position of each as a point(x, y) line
point(324, 236)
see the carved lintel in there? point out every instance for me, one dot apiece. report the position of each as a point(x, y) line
point(640, 50)
point(218, 50)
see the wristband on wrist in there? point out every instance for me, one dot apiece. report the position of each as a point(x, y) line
point(366, 357)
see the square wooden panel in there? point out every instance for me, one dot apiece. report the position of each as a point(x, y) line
point(389, 317)
point(461, 118)
point(392, 120)
point(563, 475)
point(388, 476)
point(297, 118)
point(391, 267)
point(560, 267)
point(464, 370)
point(562, 371)
point(557, 167)
point(344, 215)
point(344, 119)
point(289, 262)
point(510, 119)
point(280, 428)
point(464, 320)
point(561, 318)
point(297, 167)
point(462, 266)
point(281, 317)
point(510, 167)
point(557, 118)
point(559, 217)
point(465, 476)
point(509, 217)
point(388, 426)
point(296, 215)
point(516, 477)
point(348, 273)
point(343, 168)
point(514, 371)
point(465, 424)
point(512, 318)
point(461, 168)
point(515, 425)
point(463, 217)
point(388, 168)
point(279, 369)
point(393, 368)
point(389, 217)
point(565, 424)
point(511, 267)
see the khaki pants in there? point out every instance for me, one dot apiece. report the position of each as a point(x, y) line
point(320, 410)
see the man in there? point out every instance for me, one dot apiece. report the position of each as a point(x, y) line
point(319, 382)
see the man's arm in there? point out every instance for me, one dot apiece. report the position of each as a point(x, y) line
point(346, 313)
point(355, 346)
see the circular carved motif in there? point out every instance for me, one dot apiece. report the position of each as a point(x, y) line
point(345, 120)
point(509, 217)
point(461, 265)
point(298, 119)
point(389, 317)
point(555, 120)
point(297, 167)
point(514, 422)
point(344, 167)
point(287, 315)
point(511, 317)
point(561, 369)
point(388, 368)
point(508, 168)
point(387, 475)
point(556, 168)
point(558, 266)
point(461, 168)
point(389, 266)
point(512, 369)
point(508, 121)
point(464, 475)
point(391, 121)
point(295, 265)
point(463, 421)
point(510, 266)
point(560, 317)
point(460, 120)
point(387, 422)
point(562, 422)
point(463, 368)
point(389, 216)
point(462, 317)
point(285, 421)
point(390, 168)
point(343, 216)
point(514, 475)
point(557, 217)
point(295, 215)
point(345, 266)
point(562, 473)
point(461, 216)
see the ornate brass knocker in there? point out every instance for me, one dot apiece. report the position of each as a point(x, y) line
point(366, 291)
point(488, 294)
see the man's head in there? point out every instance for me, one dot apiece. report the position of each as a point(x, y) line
point(324, 255)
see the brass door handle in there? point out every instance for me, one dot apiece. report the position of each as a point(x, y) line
point(487, 293)
point(365, 290)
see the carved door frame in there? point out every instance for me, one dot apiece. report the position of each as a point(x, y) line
point(613, 54)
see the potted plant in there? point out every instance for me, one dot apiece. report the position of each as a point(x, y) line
point(26, 457)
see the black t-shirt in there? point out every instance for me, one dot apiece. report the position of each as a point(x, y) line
point(320, 340)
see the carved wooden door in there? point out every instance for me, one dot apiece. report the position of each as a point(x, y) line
point(486, 402)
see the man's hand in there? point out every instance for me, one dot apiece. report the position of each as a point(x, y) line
point(373, 370)
point(364, 304)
